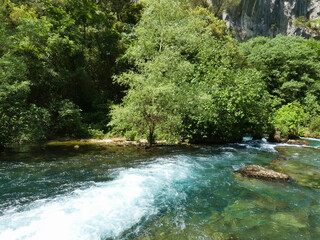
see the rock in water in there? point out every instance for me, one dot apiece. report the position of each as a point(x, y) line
point(255, 171)
point(297, 142)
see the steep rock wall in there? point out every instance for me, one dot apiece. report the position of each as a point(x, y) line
point(271, 17)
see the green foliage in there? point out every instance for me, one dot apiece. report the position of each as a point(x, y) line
point(179, 73)
point(314, 126)
point(312, 25)
point(69, 120)
point(291, 70)
point(57, 57)
point(96, 134)
point(187, 82)
point(237, 103)
point(152, 103)
point(289, 119)
point(290, 65)
point(312, 108)
point(20, 122)
point(23, 124)
point(219, 6)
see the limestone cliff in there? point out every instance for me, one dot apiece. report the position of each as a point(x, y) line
point(252, 18)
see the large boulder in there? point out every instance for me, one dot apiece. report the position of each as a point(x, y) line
point(255, 171)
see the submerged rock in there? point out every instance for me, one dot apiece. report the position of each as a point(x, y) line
point(290, 219)
point(302, 164)
point(255, 171)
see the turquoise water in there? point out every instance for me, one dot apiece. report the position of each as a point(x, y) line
point(101, 192)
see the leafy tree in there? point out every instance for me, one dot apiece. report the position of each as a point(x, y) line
point(69, 120)
point(314, 126)
point(186, 82)
point(291, 70)
point(57, 57)
point(153, 102)
point(289, 119)
point(238, 104)
point(19, 121)
point(290, 65)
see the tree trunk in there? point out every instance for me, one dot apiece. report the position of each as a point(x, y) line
point(150, 139)
point(151, 135)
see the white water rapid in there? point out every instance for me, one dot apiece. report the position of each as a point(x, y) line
point(101, 211)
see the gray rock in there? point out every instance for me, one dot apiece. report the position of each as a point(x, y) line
point(253, 18)
point(255, 171)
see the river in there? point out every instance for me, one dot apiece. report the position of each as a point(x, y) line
point(183, 192)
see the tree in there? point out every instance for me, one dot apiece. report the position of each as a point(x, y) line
point(57, 59)
point(19, 121)
point(290, 65)
point(291, 69)
point(153, 103)
point(187, 81)
point(155, 99)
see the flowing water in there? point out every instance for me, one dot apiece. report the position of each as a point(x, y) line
point(102, 192)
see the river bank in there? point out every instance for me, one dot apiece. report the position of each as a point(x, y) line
point(111, 141)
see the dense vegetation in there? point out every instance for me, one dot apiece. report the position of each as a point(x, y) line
point(157, 70)
point(57, 59)
point(290, 67)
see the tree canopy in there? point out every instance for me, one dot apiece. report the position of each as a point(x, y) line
point(291, 69)
point(158, 69)
point(57, 59)
point(188, 81)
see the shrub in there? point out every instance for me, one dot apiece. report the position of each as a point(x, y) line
point(95, 133)
point(69, 120)
point(289, 119)
point(314, 126)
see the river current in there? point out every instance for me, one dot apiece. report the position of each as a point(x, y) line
point(103, 192)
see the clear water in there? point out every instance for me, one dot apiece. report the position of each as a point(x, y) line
point(100, 193)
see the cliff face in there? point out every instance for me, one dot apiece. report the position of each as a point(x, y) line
point(271, 17)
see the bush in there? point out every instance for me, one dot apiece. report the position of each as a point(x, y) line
point(314, 126)
point(95, 133)
point(23, 123)
point(289, 119)
point(69, 121)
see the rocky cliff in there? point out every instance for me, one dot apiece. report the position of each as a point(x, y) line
point(252, 18)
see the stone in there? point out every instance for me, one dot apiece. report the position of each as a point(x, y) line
point(251, 18)
point(289, 219)
point(255, 171)
point(276, 137)
point(297, 142)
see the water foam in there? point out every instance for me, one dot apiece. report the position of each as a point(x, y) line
point(102, 211)
point(262, 145)
point(310, 138)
